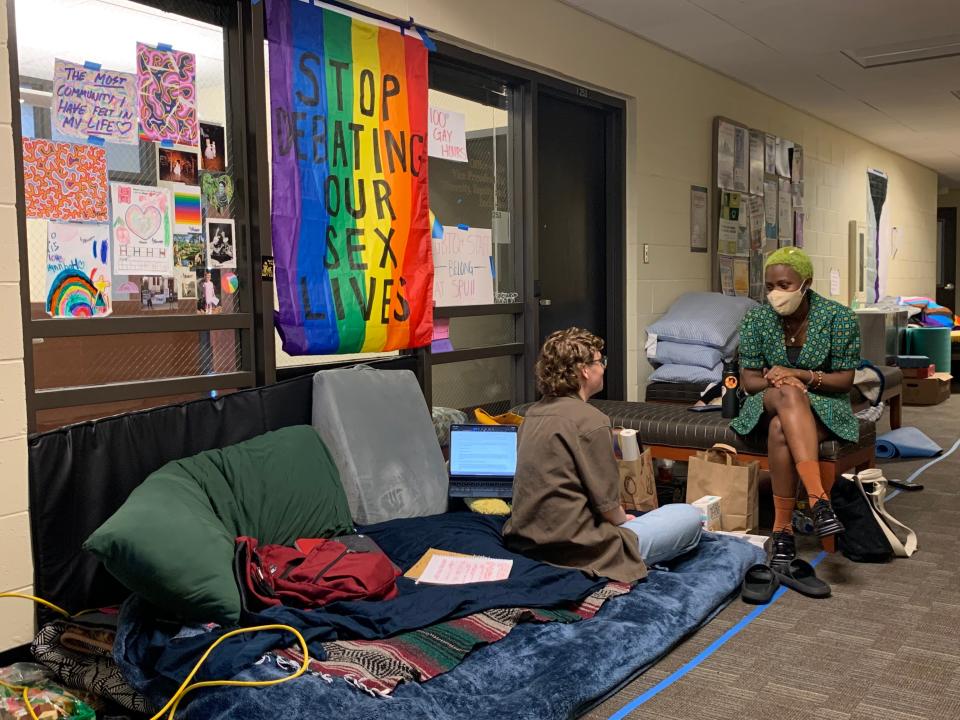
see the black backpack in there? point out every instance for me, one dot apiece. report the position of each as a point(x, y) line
point(862, 539)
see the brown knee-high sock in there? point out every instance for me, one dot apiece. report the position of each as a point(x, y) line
point(809, 472)
point(783, 513)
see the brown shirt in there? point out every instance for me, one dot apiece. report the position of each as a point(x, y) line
point(566, 477)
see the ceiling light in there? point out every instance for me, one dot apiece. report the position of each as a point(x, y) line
point(906, 52)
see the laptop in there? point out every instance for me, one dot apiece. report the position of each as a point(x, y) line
point(483, 460)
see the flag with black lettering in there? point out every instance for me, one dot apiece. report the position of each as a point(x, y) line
point(350, 217)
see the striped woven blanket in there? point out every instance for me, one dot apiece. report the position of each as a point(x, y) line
point(378, 666)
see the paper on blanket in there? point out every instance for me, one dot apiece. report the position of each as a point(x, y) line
point(446, 570)
point(416, 570)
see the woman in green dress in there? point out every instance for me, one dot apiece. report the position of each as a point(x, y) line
point(798, 354)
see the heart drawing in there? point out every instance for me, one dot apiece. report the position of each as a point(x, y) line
point(143, 222)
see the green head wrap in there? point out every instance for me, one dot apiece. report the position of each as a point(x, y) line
point(795, 258)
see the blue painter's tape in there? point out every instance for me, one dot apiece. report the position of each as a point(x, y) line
point(713, 647)
point(493, 269)
point(428, 42)
point(91, 65)
point(166, 143)
point(461, 226)
point(254, 2)
point(94, 140)
point(164, 47)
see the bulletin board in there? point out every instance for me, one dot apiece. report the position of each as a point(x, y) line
point(757, 207)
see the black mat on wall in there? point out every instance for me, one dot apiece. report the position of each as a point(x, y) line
point(81, 474)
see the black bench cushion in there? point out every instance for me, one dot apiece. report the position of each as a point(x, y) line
point(675, 426)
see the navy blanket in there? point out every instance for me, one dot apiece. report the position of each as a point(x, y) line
point(156, 656)
point(537, 672)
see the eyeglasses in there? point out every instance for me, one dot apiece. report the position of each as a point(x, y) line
point(602, 360)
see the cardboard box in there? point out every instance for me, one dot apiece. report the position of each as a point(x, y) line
point(927, 391)
point(761, 541)
point(709, 507)
point(919, 373)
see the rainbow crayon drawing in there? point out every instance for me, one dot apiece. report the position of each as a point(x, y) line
point(351, 232)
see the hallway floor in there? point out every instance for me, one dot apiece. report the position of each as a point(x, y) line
point(885, 646)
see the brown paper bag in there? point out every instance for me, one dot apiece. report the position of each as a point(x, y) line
point(637, 488)
point(717, 471)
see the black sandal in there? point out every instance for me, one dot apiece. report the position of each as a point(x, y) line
point(800, 576)
point(759, 585)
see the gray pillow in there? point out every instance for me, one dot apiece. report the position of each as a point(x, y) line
point(378, 429)
point(702, 318)
point(674, 373)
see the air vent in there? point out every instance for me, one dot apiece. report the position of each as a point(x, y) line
point(907, 52)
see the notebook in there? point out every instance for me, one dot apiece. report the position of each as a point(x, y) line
point(483, 460)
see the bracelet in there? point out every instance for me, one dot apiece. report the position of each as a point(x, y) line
point(819, 379)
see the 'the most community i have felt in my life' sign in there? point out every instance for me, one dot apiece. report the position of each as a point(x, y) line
point(351, 231)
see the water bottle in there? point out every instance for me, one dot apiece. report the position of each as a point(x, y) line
point(731, 386)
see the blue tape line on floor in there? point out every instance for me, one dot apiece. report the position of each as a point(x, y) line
point(920, 470)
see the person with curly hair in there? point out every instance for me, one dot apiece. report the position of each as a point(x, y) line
point(566, 490)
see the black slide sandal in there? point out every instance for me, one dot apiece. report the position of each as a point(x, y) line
point(799, 575)
point(759, 585)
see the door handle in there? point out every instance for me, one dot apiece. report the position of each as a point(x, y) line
point(949, 286)
point(544, 302)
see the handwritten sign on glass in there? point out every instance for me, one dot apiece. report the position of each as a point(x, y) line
point(78, 270)
point(463, 273)
point(91, 103)
point(448, 137)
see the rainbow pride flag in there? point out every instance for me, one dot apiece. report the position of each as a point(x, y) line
point(351, 232)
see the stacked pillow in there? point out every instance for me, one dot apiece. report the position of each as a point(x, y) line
point(689, 343)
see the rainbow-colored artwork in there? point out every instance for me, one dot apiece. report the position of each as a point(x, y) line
point(187, 217)
point(78, 270)
point(229, 282)
point(350, 225)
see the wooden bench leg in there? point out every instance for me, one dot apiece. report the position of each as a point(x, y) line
point(896, 411)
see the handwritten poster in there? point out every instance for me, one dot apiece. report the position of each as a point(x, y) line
point(63, 181)
point(94, 103)
point(167, 94)
point(78, 270)
point(448, 137)
point(462, 267)
point(142, 230)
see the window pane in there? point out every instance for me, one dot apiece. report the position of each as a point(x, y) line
point(482, 331)
point(106, 32)
point(486, 383)
point(476, 193)
point(102, 359)
point(58, 417)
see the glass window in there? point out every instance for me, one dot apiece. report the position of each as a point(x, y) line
point(476, 193)
point(486, 383)
point(40, 43)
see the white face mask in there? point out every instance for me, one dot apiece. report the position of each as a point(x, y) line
point(786, 302)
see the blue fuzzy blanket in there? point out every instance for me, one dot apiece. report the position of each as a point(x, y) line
point(537, 671)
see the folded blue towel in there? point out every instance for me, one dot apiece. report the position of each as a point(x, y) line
point(906, 442)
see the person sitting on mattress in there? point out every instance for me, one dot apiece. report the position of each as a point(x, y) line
point(798, 354)
point(566, 490)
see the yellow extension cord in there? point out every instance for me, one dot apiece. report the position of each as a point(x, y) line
point(174, 702)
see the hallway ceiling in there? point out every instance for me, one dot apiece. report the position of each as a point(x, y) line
point(811, 55)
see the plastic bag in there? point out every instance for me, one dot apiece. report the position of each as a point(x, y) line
point(49, 700)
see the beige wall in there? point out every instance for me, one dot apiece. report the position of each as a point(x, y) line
point(671, 105)
point(15, 569)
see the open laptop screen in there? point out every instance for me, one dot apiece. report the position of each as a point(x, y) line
point(483, 451)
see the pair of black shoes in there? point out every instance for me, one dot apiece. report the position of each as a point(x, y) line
point(761, 581)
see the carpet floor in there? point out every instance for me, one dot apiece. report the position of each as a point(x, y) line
point(885, 646)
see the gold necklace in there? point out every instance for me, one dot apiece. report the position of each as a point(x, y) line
point(796, 333)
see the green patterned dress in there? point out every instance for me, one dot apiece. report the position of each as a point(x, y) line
point(833, 344)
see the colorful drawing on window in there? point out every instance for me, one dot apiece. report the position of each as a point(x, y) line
point(167, 90)
point(78, 270)
point(142, 230)
point(63, 181)
point(89, 102)
point(186, 208)
point(229, 282)
point(217, 189)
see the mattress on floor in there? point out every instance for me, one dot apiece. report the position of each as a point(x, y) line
point(536, 672)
